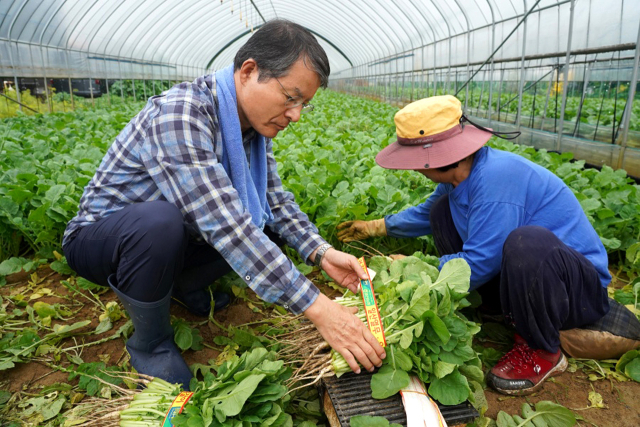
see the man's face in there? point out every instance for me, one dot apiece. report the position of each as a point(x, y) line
point(261, 105)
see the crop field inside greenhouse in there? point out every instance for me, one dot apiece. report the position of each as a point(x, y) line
point(337, 214)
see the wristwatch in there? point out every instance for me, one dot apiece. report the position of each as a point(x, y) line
point(320, 254)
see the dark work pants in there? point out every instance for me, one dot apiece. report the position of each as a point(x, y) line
point(148, 248)
point(544, 286)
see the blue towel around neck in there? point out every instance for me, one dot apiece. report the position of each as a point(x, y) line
point(250, 183)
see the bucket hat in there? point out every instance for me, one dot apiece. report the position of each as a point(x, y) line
point(433, 132)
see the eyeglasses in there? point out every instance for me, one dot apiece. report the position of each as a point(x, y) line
point(295, 101)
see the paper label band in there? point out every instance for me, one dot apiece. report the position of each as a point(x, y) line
point(176, 407)
point(371, 307)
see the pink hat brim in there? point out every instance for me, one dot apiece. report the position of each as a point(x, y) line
point(435, 154)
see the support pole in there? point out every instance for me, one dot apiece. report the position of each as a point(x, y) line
point(522, 71)
point(565, 77)
point(627, 111)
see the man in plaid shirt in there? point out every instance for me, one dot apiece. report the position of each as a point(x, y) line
point(189, 190)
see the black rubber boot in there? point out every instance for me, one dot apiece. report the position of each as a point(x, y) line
point(151, 346)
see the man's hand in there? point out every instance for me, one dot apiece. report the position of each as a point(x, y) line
point(358, 230)
point(344, 269)
point(345, 333)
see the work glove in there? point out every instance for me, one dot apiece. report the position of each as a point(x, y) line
point(351, 231)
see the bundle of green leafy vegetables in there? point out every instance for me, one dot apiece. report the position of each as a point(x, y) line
point(426, 334)
point(245, 390)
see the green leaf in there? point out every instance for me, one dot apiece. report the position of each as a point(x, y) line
point(455, 273)
point(442, 369)
point(505, 420)
point(633, 254)
point(590, 205)
point(368, 421)
point(304, 268)
point(11, 266)
point(402, 359)
point(632, 370)
point(419, 302)
point(65, 329)
point(626, 359)
point(231, 399)
point(61, 267)
point(182, 335)
point(44, 406)
point(44, 310)
point(438, 326)
point(388, 381)
point(379, 263)
point(450, 390)
point(555, 415)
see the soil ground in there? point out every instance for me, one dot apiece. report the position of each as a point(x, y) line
point(622, 399)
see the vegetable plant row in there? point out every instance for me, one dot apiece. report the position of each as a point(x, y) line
point(326, 160)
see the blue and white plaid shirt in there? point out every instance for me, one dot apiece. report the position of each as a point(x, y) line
point(171, 151)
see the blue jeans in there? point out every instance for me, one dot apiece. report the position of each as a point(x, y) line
point(543, 285)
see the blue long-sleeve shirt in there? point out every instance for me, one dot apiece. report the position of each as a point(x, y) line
point(505, 191)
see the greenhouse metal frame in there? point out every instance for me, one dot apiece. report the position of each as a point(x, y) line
point(549, 68)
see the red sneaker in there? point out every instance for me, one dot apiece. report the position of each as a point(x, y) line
point(523, 370)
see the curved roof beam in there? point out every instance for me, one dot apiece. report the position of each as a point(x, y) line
point(132, 58)
point(213, 9)
point(466, 18)
point(404, 27)
point(387, 36)
point(142, 33)
point(219, 52)
point(44, 29)
point(15, 18)
point(104, 21)
point(391, 29)
point(433, 36)
point(354, 13)
point(160, 23)
point(132, 25)
point(256, 27)
point(233, 23)
point(76, 11)
point(85, 21)
point(192, 21)
point(51, 16)
point(6, 15)
point(176, 21)
point(425, 20)
point(446, 21)
point(457, 18)
point(81, 20)
point(218, 24)
point(25, 26)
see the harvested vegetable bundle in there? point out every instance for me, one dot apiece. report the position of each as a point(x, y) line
point(246, 389)
point(426, 334)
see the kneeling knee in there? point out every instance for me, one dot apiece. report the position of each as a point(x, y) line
point(163, 219)
point(527, 238)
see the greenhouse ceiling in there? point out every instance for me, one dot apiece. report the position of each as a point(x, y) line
point(185, 38)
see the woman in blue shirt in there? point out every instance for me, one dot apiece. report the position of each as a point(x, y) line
point(520, 228)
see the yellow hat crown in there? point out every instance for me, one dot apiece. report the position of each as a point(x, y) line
point(428, 116)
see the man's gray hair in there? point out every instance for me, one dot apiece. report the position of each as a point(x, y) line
point(277, 45)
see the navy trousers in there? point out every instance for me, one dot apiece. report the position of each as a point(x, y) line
point(148, 248)
point(544, 286)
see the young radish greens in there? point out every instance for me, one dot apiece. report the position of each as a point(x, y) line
point(244, 390)
point(425, 332)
